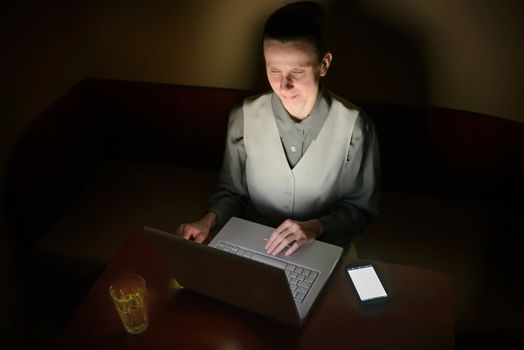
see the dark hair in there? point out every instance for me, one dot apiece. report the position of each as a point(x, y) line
point(302, 20)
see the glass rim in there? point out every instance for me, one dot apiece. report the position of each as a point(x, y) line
point(122, 277)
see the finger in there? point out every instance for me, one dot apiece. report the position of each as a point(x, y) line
point(187, 233)
point(277, 241)
point(199, 238)
point(281, 232)
point(276, 233)
point(284, 243)
point(293, 248)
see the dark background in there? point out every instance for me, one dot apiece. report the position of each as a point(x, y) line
point(463, 54)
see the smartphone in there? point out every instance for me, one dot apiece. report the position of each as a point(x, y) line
point(367, 284)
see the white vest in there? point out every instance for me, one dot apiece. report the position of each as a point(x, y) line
point(278, 192)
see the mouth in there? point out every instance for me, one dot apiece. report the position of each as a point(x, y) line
point(289, 98)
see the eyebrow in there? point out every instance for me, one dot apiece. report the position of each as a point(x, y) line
point(305, 65)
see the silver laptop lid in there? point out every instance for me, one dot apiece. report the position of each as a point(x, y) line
point(238, 281)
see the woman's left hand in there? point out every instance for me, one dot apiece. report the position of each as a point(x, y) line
point(293, 232)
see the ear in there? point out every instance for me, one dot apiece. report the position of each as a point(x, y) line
point(325, 63)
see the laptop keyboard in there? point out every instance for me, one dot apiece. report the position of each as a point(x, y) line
point(300, 279)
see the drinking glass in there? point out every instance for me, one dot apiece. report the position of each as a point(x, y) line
point(128, 293)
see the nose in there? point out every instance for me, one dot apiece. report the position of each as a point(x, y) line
point(286, 83)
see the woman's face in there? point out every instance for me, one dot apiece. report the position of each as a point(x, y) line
point(293, 71)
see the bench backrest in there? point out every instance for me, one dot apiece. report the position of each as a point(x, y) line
point(423, 149)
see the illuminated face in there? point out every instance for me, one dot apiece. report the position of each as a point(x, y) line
point(293, 70)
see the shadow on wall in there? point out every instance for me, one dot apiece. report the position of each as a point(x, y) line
point(372, 60)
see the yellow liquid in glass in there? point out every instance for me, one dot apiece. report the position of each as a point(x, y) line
point(133, 313)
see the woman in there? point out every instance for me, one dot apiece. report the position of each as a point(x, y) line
point(299, 157)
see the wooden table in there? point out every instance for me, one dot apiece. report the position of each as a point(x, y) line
point(419, 316)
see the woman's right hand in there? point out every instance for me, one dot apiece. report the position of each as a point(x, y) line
point(198, 230)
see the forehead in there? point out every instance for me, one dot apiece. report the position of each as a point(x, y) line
point(294, 52)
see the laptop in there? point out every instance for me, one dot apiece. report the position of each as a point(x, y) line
point(234, 268)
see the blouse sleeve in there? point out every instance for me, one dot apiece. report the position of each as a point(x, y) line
point(230, 198)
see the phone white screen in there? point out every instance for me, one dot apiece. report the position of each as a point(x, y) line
point(366, 282)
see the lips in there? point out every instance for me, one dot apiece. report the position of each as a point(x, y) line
point(289, 98)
